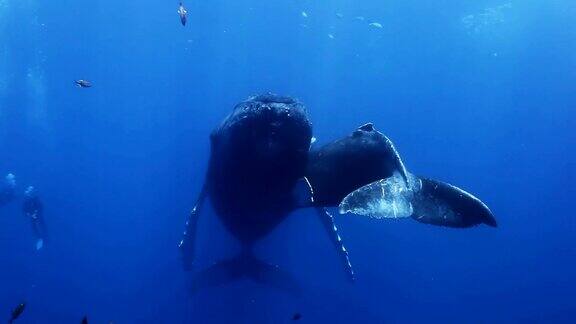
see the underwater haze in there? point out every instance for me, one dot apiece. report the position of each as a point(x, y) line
point(480, 94)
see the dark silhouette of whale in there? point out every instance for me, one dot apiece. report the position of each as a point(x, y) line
point(258, 155)
point(345, 165)
point(256, 174)
point(342, 166)
point(261, 168)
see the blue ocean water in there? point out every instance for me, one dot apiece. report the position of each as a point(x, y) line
point(480, 94)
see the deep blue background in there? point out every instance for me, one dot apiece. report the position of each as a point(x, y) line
point(490, 109)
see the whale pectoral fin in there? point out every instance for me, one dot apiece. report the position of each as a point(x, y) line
point(330, 226)
point(304, 197)
point(385, 198)
point(303, 194)
point(398, 164)
point(427, 201)
point(442, 204)
point(188, 241)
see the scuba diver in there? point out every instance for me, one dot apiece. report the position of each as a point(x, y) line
point(33, 209)
point(7, 189)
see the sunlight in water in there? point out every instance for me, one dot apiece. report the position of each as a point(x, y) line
point(3, 52)
point(36, 96)
point(487, 19)
point(32, 79)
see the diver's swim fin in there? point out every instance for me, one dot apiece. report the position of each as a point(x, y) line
point(188, 241)
point(328, 222)
point(439, 203)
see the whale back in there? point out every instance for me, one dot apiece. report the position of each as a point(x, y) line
point(258, 154)
point(342, 166)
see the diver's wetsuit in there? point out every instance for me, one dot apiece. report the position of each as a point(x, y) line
point(33, 208)
point(7, 193)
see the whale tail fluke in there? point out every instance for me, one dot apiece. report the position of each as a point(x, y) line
point(244, 266)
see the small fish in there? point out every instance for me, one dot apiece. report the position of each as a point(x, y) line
point(84, 320)
point(304, 14)
point(296, 316)
point(312, 140)
point(339, 15)
point(17, 311)
point(375, 24)
point(330, 36)
point(182, 13)
point(359, 18)
point(83, 83)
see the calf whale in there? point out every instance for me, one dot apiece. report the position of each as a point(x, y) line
point(359, 167)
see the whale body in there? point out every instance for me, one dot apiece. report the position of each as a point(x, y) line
point(258, 154)
point(355, 163)
point(261, 163)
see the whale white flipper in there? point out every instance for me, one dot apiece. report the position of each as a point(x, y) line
point(440, 203)
point(386, 198)
point(330, 226)
point(188, 242)
point(425, 200)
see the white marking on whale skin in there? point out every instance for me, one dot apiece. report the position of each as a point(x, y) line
point(386, 198)
point(310, 188)
point(328, 221)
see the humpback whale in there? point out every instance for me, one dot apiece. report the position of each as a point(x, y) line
point(355, 167)
point(261, 160)
point(342, 166)
point(258, 158)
